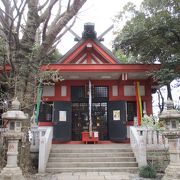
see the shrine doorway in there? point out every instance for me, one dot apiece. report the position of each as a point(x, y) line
point(80, 119)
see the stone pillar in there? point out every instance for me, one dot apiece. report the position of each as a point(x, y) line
point(173, 169)
point(171, 118)
point(142, 159)
point(12, 171)
point(12, 152)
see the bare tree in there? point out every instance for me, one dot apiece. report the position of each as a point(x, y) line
point(29, 32)
point(160, 100)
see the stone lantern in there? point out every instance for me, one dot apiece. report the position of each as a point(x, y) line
point(13, 135)
point(171, 119)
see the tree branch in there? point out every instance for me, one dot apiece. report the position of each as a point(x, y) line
point(7, 6)
point(160, 102)
point(52, 33)
point(57, 17)
point(68, 6)
point(20, 18)
point(32, 24)
point(46, 12)
point(43, 5)
point(57, 40)
point(7, 16)
point(2, 20)
point(46, 21)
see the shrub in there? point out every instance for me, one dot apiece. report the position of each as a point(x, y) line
point(147, 172)
point(151, 122)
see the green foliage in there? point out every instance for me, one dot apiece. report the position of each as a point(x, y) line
point(152, 35)
point(165, 76)
point(124, 58)
point(54, 56)
point(121, 56)
point(148, 121)
point(147, 172)
point(151, 122)
point(50, 76)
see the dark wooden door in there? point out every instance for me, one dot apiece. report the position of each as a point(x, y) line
point(62, 121)
point(80, 120)
point(117, 120)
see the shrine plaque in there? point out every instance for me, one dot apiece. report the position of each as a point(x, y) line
point(116, 115)
point(62, 115)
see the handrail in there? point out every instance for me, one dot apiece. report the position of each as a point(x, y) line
point(34, 139)
point(143, 139)
point(138, 144)
point(45, 144)
point(156, 140)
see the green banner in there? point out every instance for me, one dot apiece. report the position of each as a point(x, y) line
point(39, 97)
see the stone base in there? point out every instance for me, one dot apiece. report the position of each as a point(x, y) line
point(11, 174)
point(172, 172)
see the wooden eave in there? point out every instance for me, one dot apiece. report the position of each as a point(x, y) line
point(101, 67)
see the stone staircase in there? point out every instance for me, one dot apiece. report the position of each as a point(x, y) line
point(91, 158)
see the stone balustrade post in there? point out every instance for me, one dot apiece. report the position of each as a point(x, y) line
point(142, 159)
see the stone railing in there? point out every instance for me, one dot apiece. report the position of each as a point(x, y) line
point(138, 144)
point(34, 139)
point(144, 139)
point(155, 140)
point(45, 143)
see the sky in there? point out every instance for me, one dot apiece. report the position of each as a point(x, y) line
point(100, 12)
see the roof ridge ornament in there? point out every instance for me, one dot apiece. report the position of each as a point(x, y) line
point(89, 32)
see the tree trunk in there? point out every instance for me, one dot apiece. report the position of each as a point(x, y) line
point(160, 101)
point(169, 94)
point(23, 53)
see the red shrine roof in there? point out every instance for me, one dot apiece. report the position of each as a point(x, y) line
point(89, 51)
point(90, 59)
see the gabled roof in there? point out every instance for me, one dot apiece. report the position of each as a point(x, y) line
point(89, 48)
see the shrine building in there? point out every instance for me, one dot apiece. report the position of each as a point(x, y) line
point(94, 88)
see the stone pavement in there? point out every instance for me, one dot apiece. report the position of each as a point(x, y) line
point(87, 176)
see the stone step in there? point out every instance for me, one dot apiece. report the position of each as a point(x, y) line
point(102, 169)
point(90, 146)
point(91, 164)
point(94, 150)
point(92, 159)
point(110, 154)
